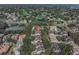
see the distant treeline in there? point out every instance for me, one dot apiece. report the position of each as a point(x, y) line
point(76, 6)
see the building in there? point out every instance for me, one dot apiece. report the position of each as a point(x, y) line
point(18, 36)
point(37, 29)
point(4, 48)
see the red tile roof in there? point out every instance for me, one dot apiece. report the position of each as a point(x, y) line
point(37, 28)
point(4, 48)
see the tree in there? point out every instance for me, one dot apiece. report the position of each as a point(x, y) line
point(66, 49)
point(76, 37)
point(46, 42)
point(27, 47)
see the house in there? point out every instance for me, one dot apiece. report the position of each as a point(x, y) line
point(18, 36)
point(36, 52)
point(4, 48)
point(37, 34)
point(37, 28)
point(36, 41)
point(53, 28)
point(53, 37)
point(56, 48)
